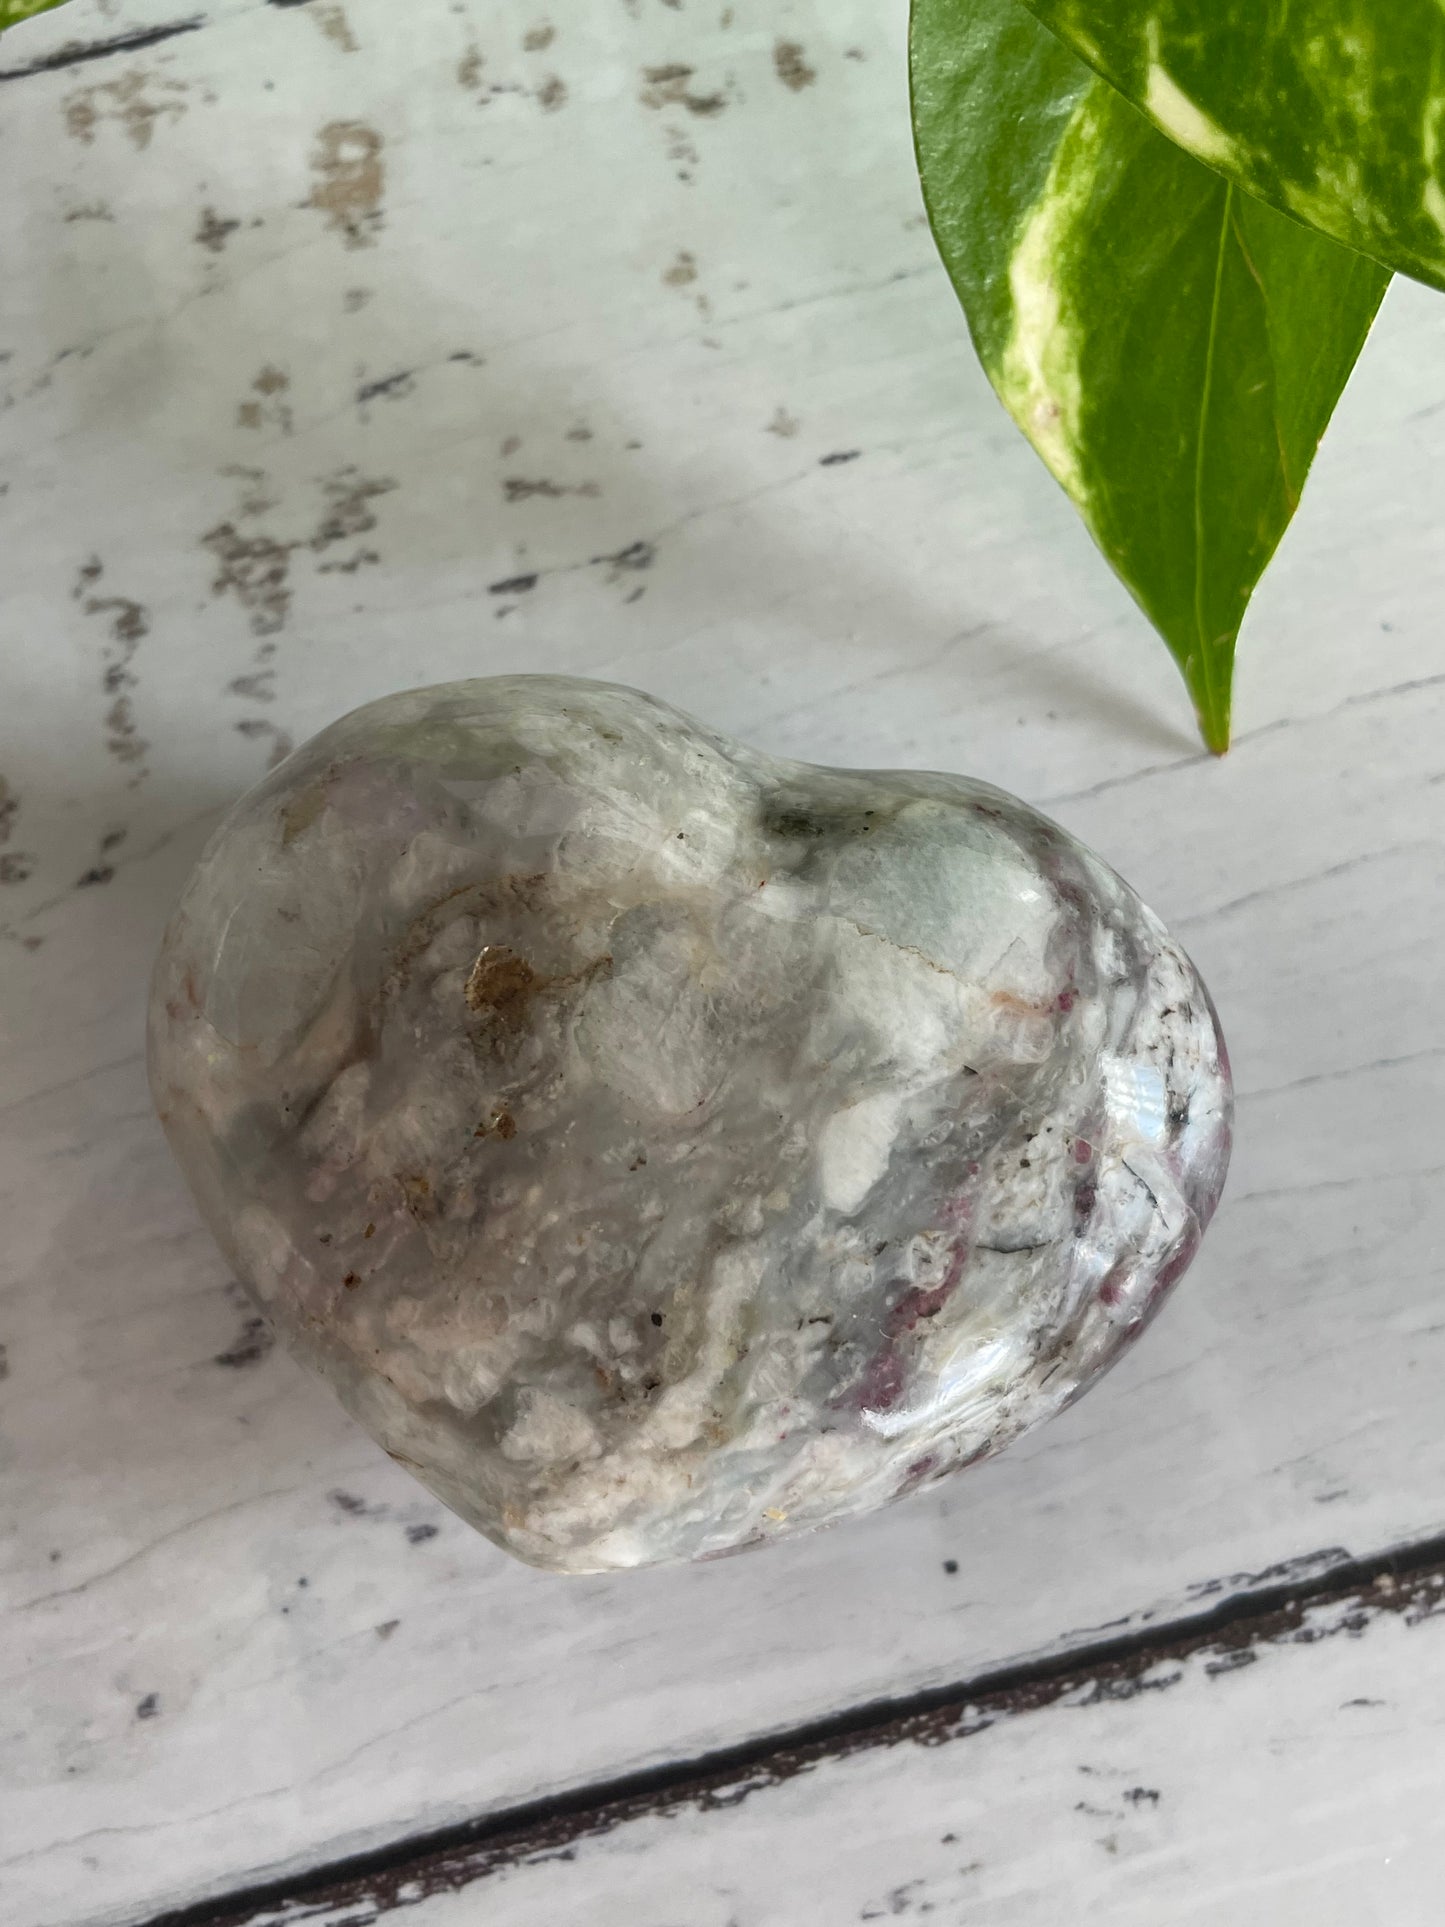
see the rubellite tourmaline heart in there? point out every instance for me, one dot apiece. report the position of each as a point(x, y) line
point(661, 1148)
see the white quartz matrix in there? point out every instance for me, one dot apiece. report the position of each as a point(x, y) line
point(661, 1148)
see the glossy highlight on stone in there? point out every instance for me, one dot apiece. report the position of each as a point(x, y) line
point(661, 1148)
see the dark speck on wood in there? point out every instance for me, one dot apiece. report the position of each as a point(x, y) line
point(253, 1342)
point(350, 180)
point(668, 86)
point(1230, 1662)
point(348, 513)
point(519, 488)
point(791, 66)
point(636, 556)
point(397, 385)
point(213, 232)
point(256, 686)
point(255, 569)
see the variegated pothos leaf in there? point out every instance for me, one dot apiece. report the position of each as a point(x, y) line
point(13, 10)
point(1171, 347)
point(1331, 109)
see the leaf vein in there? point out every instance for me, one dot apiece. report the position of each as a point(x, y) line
point(1206, 677)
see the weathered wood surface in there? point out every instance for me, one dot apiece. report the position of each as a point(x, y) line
point(1214, 1776)
point(342, 350)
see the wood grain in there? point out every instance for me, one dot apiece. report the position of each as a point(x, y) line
point(442, 1877)
point(572, 387)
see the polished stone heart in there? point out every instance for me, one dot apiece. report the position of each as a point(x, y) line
point(661, 1148)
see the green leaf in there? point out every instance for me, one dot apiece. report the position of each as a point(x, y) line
point(12, 11)
point(1172, 348)
point(1333, 110)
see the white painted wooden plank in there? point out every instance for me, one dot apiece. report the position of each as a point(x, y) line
point(1291, 1780)
point(182, 1712)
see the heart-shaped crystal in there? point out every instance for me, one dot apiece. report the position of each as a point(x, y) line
point(661, 1148)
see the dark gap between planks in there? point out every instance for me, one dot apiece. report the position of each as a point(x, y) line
point(76, 54)
point(1407, 1580)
